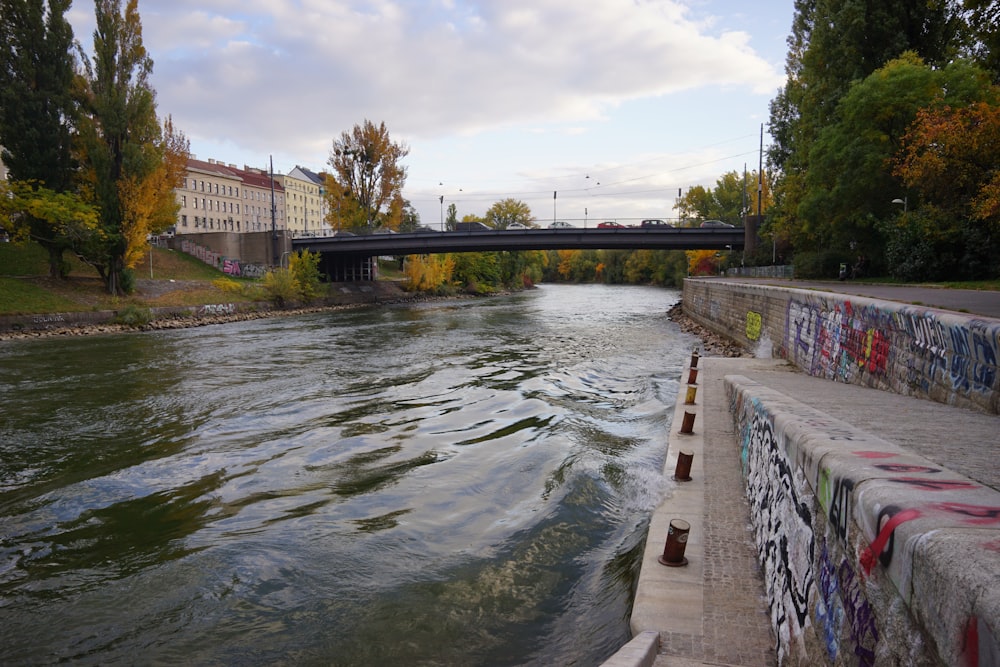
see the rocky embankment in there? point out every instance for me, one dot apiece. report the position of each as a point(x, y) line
point(713, 345)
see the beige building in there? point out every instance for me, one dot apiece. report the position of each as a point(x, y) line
point(216, 197)
point(305, 203)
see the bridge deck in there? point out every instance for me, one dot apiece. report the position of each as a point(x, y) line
point(716, 238)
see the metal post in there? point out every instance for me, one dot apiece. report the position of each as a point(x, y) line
point(687, 425)
point(682, 471)
point(673, 550)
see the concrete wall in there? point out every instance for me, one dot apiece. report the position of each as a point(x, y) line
point(871, 555)
point(910, 350)
point(256, 248)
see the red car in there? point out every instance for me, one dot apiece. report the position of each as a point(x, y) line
point(610, 225)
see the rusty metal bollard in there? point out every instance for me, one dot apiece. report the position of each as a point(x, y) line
point(689, 397)
point(682, 471)
point(673, 550)
point(693, 376)
point(694, 358)
point(687, 424)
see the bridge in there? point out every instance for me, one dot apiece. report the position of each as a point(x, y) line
point(345, 257)
point(429, 242)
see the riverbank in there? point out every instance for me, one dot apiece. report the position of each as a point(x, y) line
point(713, 345)
point(343, 296)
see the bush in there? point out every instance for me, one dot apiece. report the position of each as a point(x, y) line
point(227, 285)
point(304, 267)
point(820, 264)
point(128, 281)
point(134, 316)
point(281, 287)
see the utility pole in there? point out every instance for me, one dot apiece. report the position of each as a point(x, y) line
point(274, 228)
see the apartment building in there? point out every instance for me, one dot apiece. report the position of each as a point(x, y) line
point(216, 197)
point(305, 203)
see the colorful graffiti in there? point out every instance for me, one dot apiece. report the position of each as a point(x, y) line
point(842, 340)
point(754, 325)
point(229, 266)
point(841, 598)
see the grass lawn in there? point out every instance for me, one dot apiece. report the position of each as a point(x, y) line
point(22, 296)
point(178, 280)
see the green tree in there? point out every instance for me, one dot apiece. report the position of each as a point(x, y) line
point(478, 271)
point(410, 219)
point(367, 179)
point(131, 162)
point(850, 185)
point(304, 268)
point(507, 211)
point(23, 204)
point(452, 218)
point(835, 43)
point(37, 111)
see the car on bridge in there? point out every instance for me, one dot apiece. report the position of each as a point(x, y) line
point(655, 224)
point(560, 224)
point(474, 226)
point(715, 223)
point(610, 225)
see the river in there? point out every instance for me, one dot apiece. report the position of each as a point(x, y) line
point(462, 482)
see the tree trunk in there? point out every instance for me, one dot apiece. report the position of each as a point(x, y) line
point(55, 259)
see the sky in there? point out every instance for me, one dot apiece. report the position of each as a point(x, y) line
point(586, 110)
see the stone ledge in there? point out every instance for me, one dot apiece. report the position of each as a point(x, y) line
point(933, 533)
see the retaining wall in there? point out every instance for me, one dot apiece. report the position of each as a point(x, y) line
point(871, 555)
point(910, 350)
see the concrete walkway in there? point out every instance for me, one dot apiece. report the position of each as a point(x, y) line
point(713, 611)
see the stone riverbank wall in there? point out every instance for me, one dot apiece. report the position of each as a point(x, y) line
point(946, 357)
point(871, 554)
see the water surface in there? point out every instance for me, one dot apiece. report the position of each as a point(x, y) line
point(446, 483)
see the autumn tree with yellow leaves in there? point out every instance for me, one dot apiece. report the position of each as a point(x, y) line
point(364, 190)
point(131, 163)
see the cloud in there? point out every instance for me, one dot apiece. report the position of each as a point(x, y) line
point(295, 75)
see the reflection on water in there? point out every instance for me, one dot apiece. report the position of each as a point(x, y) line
point(447, 483)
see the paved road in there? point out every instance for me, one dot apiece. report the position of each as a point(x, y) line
point(977, 302)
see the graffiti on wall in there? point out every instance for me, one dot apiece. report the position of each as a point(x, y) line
point(229, 266)
point(780, 505)
point(841, 340)
point(754, 325)
point(843, 611)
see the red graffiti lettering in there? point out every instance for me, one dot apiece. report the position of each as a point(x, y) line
point(902, 467)
point(934, 485)
point(875, 455)
point(979, 515)
point(872, 552)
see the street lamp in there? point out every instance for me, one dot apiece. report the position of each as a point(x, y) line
point(904, 201)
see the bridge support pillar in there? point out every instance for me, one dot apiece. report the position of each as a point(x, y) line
point(340, 269)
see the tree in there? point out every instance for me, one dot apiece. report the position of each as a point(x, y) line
point(410, 219)
point(834, 44)
point(848, 187)
point(131, 163)
point(452, 218)
point(734, 195)
point(507, 211)
point(367, 178)
point(950, 162)
point(23, 204)
point(37, 111)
